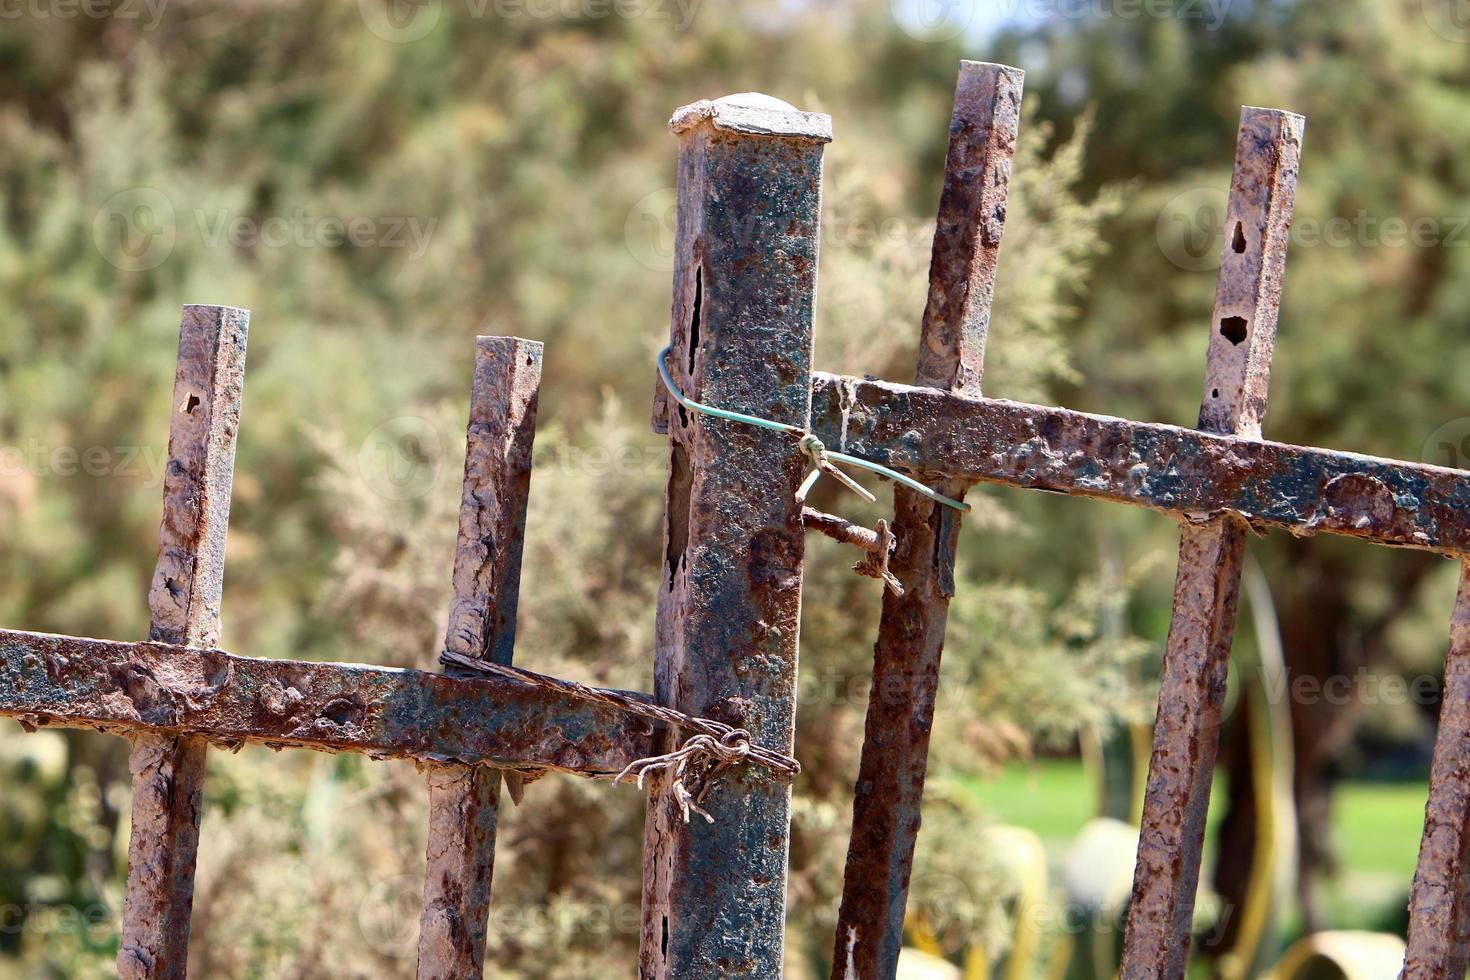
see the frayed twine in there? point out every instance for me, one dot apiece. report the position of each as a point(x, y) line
point(708, 758)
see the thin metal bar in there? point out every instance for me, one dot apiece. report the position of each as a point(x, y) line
point(1439, 902)
point(482, 618)
point(1166, 468)
point(888, 796)
point(749, 209)
point(168, 773)
point(1192, 691)
point(382, 712)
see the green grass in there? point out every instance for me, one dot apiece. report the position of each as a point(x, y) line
point(1376, 826)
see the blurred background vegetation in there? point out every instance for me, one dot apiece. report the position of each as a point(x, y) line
point(380, 182)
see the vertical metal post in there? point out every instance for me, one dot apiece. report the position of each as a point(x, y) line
point(1439, 903)
point(482, 623)
point(1207, 585)
point(749, 210)
point(184, 599)
point(889, 793)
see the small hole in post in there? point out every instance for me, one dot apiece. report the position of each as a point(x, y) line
point(1215, 393)
point(1233, 329)
point(1238, 243)
point(695, 315)
point(191, 403)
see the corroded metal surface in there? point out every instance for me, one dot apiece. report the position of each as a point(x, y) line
point(383, 712)
point(972, 214)
point(749, 207)
point(482, 617)
point(1179, 471)
point(1171, 836)
point(1186, 735)
point(1439, 902)
point(184, 599)
point(888, 796)
point(1252, 268)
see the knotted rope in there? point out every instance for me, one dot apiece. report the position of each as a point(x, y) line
point(706, 755)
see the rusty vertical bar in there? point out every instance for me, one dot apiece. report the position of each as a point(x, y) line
point(1439, 902)
point(482, 622)
point(1207, 584)
point(889, 793)
point(184, 600)
point(749, 209)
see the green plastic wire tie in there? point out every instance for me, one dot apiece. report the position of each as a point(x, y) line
point(807, 442)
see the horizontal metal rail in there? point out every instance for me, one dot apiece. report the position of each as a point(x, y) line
point(383, 712)
point(1180, 471)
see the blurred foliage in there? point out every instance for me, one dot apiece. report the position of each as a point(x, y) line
point(377, 198)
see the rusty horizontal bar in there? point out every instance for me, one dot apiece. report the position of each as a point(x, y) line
point(1180, 471)
point(383, 712)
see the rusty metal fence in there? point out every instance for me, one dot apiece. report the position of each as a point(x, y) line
point(749, 204)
